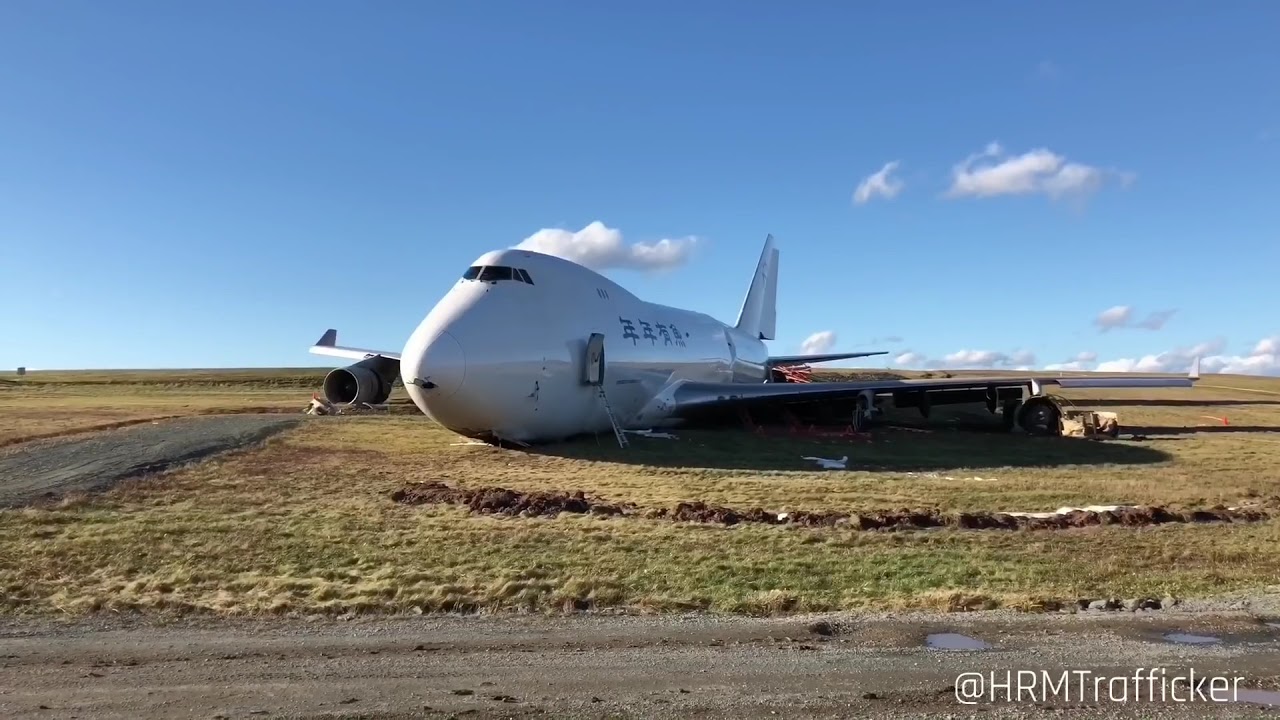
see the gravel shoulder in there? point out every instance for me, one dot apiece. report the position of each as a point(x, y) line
point(600, 666)
point(54, 467)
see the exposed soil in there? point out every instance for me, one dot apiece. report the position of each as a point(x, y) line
point(504, 501)
point(501, 501)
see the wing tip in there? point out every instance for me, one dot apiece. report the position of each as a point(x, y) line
point(328, 339)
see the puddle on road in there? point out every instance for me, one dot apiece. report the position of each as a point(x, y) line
point(1189, 639)
point(954, 641)
point(1258, 697)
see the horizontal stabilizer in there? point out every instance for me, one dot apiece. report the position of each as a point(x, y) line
point(328, 345)
point(782, 360)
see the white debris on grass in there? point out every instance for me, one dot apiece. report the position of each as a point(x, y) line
point(940, 476)
point(1067, 510)
point(320, 406)
point(651, 434)
point(827, 463)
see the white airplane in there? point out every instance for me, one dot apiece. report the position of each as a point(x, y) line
point(529, 348)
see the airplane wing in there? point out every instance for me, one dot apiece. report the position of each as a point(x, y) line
point(689, 397)
point(328, 345)
point(780, 360)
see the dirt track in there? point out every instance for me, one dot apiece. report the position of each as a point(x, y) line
point(595, 667)
point(54, 467)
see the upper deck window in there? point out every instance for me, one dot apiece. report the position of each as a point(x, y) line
point(495, 273)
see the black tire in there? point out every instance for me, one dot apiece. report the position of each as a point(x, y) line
point(1040, 416)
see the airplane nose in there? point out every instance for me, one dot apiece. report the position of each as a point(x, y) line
point(440, 368)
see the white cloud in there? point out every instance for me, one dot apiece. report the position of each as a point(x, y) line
point(879, 184)
point(989, 359)
point(1082, 361)
point(819, 342)
point(1035, 171)
point(910, 359)
point(969, 359)
point(1263, 359)
point(600, 247)
point(1114, 317)
point(1122, 316)
point(1156, 320)
point(1177, 360)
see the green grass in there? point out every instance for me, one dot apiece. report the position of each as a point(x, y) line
point(305, 523)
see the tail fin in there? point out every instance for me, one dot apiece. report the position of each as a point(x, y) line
point(759, 316)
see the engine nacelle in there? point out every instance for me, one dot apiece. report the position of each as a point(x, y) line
point(368, 381)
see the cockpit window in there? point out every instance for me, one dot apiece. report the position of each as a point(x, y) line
point(494, 273)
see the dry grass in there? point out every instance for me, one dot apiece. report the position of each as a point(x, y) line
point(49, 404)
point(305, 523)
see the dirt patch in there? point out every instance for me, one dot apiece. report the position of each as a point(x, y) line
point(504, 501)
point(501, 501)
point(56, 467)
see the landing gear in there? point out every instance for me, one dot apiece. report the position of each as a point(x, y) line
point(1009, 415)
point(863, 410)
point(1040, 416)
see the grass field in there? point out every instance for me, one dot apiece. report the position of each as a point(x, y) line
point(48, 404)
point(305, 523)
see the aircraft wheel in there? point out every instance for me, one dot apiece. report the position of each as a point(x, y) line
point(1040, 416)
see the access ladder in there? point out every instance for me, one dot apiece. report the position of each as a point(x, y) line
point(608, 410)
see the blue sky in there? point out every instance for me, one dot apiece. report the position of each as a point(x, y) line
point(204, 185)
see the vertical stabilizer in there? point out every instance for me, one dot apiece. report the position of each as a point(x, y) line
point(758, 317)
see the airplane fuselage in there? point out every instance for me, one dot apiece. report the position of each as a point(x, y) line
point(503, 354)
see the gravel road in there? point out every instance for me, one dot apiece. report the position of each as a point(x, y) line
point(620, 667)
point(53, 467)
